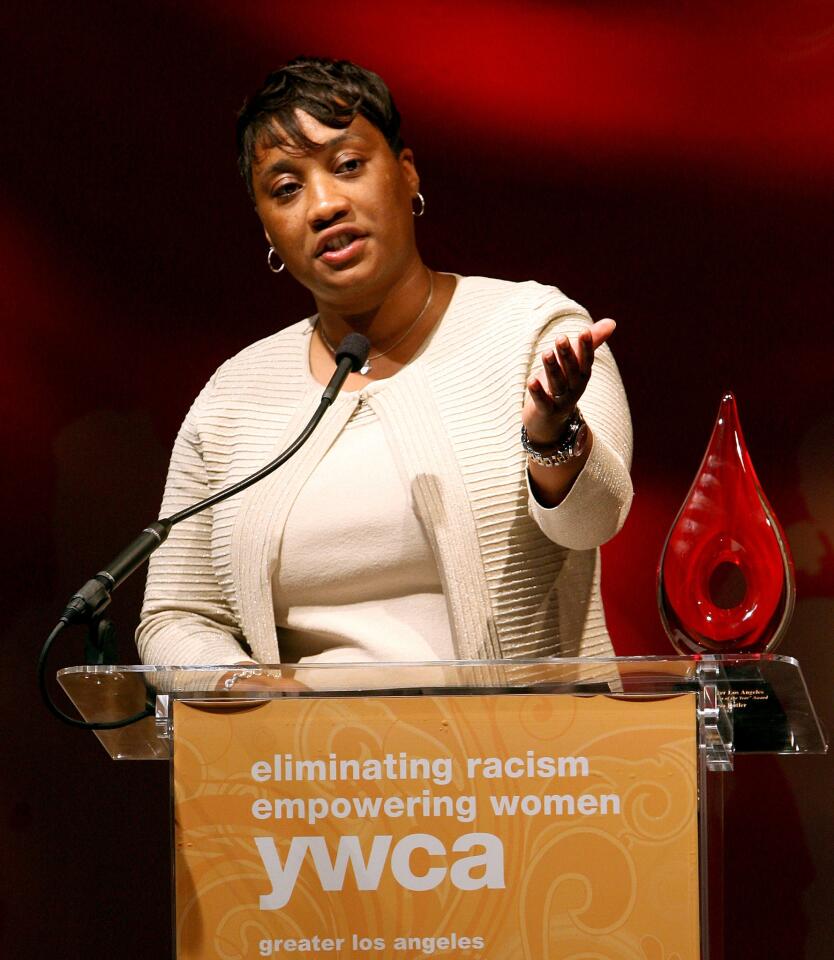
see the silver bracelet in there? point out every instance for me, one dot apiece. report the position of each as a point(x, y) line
point(568, 447)
point(229, 682)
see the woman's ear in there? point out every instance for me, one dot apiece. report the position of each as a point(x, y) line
point(409, 170)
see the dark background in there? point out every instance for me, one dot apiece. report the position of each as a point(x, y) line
point(671, 165)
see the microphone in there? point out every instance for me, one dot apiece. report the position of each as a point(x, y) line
point(350, 356)
point(95, 594)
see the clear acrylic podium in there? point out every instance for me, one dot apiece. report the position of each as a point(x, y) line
point(739, 705)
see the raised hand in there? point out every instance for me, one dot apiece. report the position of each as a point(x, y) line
point(554, 392)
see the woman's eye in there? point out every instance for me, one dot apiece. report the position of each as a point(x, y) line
point(350, 166)
point(286, 189)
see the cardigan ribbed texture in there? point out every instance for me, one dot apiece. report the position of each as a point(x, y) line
point(519, 580)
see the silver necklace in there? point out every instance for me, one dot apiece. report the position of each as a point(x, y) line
point(396, 343)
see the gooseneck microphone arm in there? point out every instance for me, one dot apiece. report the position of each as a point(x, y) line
point(95, 595)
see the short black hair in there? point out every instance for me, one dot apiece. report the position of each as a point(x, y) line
point(331, 91)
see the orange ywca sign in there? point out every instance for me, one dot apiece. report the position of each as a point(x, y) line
point(459, 827)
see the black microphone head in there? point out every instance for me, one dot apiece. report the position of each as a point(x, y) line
point(357, 348)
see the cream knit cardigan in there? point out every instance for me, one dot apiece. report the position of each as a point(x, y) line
point(519, 580)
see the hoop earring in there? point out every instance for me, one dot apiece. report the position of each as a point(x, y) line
point(422, 209)
point(270, 264)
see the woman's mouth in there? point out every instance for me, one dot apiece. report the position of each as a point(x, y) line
point(341, 248)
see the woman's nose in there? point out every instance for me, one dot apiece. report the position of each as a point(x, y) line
point(326, 201)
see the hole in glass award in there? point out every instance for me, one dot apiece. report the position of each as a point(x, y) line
point(725, 578)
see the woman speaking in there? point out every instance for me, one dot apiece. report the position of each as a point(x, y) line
point(452, 503)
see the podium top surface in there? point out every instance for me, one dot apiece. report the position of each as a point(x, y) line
point(763, 697)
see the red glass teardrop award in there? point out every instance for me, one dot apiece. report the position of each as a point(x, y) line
point(725, 579)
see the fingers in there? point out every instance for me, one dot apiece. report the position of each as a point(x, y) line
point(539, 395)
point(585, 352)
point(567, 368)
point(576, 361)
point(557, 382)
point(601, 331)
point(573, 374)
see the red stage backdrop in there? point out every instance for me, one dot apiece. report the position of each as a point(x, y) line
point(669, 165)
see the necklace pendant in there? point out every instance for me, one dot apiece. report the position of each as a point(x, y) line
point(365, 369)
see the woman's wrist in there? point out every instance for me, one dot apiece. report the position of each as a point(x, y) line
point(551, 484)
point(246, 668)
point(230, 679)
point(252, 676)
point(568, 442)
